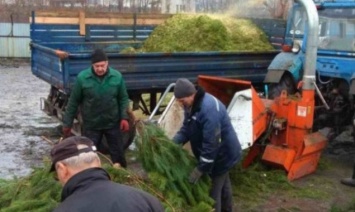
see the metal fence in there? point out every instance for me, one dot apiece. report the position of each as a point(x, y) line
point(14, 40)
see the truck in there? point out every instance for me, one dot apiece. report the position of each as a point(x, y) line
point(62, 42)
point(334, 66)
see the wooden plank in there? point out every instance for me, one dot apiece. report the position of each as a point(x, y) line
point(108, 21)
point(82, 23)
point(74, 17)
point(93, 14)
point(53, 20)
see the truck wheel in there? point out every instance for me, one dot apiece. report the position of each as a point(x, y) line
point(286, 83)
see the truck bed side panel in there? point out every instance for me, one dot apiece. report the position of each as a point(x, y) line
point(152, 71)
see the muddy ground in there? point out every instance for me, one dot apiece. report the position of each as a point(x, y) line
point(22, 123)
point(23, 127)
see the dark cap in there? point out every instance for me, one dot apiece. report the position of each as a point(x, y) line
point(69, 148)
point(183, 88)
point(98, 55)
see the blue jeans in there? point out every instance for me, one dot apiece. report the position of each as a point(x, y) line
point(221, 192)
point(114, 140)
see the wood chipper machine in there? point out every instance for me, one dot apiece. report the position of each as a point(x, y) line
point(280, 130)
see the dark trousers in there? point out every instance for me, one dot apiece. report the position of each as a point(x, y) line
point(221, 192)
point(114, 141)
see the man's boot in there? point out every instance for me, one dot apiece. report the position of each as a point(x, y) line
point(349, 181)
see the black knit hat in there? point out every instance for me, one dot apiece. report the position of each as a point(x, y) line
point(183, 88)
point(69, 148)
point(98, 55)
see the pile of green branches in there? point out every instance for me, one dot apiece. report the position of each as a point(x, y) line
point(196, 33)
point(168, 167)
point(37, 192)
point(166, 164)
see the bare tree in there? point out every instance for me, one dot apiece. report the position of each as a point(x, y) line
point(119, 4)
point(20, 10)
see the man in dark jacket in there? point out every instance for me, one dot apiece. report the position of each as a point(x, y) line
point(87, 187)
point(101, 94)
point(213, 140)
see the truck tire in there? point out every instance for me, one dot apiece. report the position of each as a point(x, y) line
point(286, 83)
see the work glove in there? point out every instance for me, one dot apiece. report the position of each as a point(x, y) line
point(124, 126)
point(195, 175)
point(66, 132)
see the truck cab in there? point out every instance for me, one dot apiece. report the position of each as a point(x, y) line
point(336, 26)
point(335, 65)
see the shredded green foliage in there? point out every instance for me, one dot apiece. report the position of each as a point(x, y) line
point(198, 33)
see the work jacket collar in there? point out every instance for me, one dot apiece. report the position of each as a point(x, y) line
point(196, 105)
point(82, 180)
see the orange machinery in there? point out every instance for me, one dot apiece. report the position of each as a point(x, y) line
point(281, 129)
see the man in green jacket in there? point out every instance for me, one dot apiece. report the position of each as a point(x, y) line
point(101, 94)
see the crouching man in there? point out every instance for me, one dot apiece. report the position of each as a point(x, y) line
point(87, 187)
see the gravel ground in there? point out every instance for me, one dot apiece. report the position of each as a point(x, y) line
point(22, 123)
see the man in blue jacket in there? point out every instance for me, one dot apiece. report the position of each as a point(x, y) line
point(213, 140)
